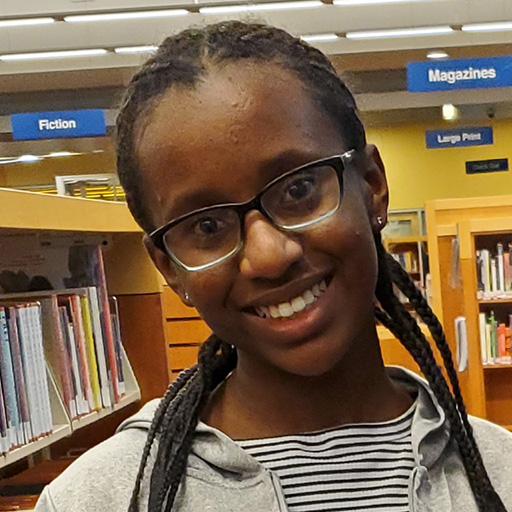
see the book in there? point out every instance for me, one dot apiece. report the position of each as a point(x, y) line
point(21, 389)
point(482, 322)
point(9, 383)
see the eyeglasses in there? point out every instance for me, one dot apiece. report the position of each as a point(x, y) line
point(295, 200)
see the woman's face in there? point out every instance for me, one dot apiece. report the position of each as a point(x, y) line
point(222, 142)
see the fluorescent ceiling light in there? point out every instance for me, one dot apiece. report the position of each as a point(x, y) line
point(136, 49)
point(372, 2)
point(28, 158)
point(487, 27)
point(273, 6)
point(450, 112)
point(26, 22)
point(57, 154)
point(135, 15)
point(400, 32)
point(318, 38)
point(53, 55)
point(437, 54)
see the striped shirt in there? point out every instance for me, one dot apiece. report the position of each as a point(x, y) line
point(358, 467)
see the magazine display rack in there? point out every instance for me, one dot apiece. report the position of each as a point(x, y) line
point(130, 276)
point(458, 230)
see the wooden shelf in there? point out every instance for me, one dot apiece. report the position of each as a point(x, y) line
point(29, 211)
point(495, 301)
point(59, 432)
point(496, 366)
point(405, 240)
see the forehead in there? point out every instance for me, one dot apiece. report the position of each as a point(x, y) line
point(218, 135)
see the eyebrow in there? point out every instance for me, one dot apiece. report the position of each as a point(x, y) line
point(270, 169)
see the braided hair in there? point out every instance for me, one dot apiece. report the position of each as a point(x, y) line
point(181, 61)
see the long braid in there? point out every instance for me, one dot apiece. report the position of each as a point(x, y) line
point(407, 286)
point(408, 332)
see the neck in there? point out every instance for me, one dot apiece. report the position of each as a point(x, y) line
point(261, 400)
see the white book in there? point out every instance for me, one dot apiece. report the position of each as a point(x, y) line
point(99, 344)
point(501, 268)
point(490, 358)
point(483, 341)
point(29, 371)
point(43, 373)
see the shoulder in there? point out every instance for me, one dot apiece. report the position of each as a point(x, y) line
point(495, 445)
point(101, 480)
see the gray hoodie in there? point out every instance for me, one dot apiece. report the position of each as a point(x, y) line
point(222, 477)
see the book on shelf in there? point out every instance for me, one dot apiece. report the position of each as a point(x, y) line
point(407, 259)
point(495, 341)
point(25, 392)
point(494, 272)
point(56, 317)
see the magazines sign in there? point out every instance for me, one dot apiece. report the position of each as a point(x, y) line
point(58, 124)
point(453, 74)
point(459, 137)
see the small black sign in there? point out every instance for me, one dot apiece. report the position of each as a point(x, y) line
point(484, 166)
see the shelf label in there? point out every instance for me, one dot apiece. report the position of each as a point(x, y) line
point(476, 136)
point(485, 166)
point(453, 74)
point(58, 124)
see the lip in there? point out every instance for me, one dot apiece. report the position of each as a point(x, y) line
point(287, 292)
point(297, 328)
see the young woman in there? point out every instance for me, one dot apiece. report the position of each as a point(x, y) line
point(245, 162)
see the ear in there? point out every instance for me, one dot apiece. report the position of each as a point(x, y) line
point(167, 268)
point(375, 178)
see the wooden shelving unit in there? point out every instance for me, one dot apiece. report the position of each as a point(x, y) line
point(131, 276)
point(456, 228)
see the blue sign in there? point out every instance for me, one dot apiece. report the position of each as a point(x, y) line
point(56, 125)
point(479, 136)
point(459, 74)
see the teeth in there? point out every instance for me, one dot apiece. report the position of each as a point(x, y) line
point(296, 305)
point(309, 297)
point(285, 309)
point(274, 311)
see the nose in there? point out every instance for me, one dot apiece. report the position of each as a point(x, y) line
point(267, 252)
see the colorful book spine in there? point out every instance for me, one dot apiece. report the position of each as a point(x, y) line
point(91, 354)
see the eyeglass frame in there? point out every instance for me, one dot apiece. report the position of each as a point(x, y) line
point(337, 162)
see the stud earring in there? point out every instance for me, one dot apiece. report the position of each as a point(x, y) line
point(187, 298)
point(380, 220)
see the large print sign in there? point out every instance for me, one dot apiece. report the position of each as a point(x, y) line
point(459, 74)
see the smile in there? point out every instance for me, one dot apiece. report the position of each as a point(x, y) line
point(295, 305)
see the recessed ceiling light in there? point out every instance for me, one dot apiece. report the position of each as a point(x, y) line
point(136, 49)
point(437, 54)
point(401, 32)
point(487, 27)
point(450, 112)
point(135, 15)
point(318, 38)
point(272, 6)
point(24, 22)
point(53, 55)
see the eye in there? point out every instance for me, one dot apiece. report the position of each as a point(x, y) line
point(208, 226)
point(301, 188)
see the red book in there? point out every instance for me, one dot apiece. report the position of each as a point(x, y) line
point(502, 349)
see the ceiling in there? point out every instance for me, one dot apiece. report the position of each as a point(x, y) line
point(374, 69)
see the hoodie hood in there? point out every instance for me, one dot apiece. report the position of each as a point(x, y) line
point(430, 431)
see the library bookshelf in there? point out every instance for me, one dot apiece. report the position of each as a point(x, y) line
point(457, 229)
point(130, 276)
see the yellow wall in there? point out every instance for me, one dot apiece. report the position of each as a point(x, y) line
point(416, 174)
